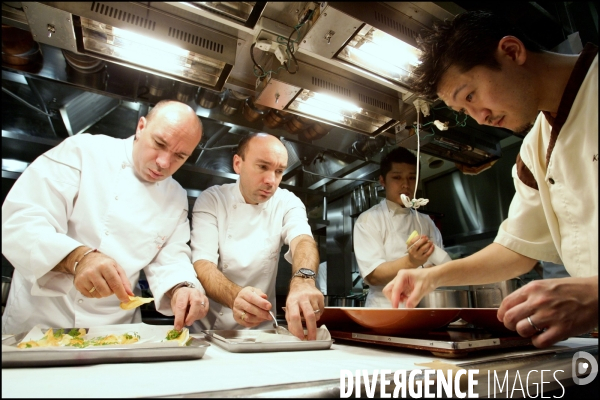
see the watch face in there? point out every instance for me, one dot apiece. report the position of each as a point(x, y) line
point(306, 271)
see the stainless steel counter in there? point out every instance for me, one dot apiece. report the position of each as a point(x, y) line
point(298, 374)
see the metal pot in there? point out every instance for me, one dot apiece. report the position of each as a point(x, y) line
point(446, 298)
point(492, 294)
point(5, 289)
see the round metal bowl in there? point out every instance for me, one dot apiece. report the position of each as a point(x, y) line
point(491, 295)
point(446, 298)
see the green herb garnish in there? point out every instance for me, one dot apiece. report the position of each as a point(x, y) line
point(74, 332)
point(173, 334)
point(59, 333)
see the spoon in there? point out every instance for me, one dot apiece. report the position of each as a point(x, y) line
point(278, 329)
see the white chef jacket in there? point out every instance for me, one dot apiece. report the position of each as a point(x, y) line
point(85, 192)
point(554, 213)
point(244, 241)
point(380, 235)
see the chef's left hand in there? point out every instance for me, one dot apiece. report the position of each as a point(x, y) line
point(188, 305)
point(304, 299)
point(559, 308)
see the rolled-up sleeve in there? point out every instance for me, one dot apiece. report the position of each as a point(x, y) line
point(35, 218)
point(526, 229)
point(172, 265)
point(368, 244)
point(295, 223)
point(205, 228)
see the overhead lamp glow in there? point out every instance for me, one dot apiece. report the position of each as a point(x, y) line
point(337, 111)
point(149, 53)
point(381, 53)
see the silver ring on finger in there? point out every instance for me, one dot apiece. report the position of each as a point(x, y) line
point(317, 311)
point(533, 325)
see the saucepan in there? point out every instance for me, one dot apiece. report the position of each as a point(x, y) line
point(492, 294)
point(446, 298)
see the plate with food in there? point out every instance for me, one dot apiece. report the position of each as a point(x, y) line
point(102, 344)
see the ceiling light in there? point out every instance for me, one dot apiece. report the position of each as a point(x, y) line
point(330, 98)
point(381, 54)
point(138, 36)
point(146, 51)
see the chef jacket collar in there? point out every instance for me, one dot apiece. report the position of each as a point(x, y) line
point(239, 198)
point(129, 150)
point(395, 208)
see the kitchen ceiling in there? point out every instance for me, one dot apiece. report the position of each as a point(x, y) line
point(79, 83)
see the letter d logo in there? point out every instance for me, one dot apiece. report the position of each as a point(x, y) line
point(578, 366)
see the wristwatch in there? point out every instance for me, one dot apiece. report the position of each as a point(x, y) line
point(182, 284)
point(305, 273)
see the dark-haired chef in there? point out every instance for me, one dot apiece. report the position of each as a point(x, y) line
point(381, 233)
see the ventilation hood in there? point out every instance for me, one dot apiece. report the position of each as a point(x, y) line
point(136, 35)
point(335, 116)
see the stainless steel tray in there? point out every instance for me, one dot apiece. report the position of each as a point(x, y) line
point(242, 341)
point(48, 357)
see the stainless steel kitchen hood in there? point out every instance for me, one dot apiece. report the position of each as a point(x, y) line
point(138, 36)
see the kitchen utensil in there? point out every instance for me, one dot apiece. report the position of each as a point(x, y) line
point(392, 320)
point(491, 295)
point(278, 329)
point(445, 298)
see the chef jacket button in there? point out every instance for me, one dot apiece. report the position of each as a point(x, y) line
point(123, 165)
point(228, 236)
point(116, 197)
point(106, 233)
point(225, 266)
point(551, 181)
point(80, 301)
point(220, 313)
point(234, 206)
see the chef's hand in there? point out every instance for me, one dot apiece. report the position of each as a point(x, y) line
point(559, 308)
point(304, 299)
point(420, 248)
point(99, 276)
point(188, 305)
point(251, 307)
point(409, 286)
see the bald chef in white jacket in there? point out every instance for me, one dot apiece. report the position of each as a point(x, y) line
point(380, 233)
point(237, 233)
point(87, 216)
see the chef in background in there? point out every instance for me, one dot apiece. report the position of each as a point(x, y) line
point(87, 216)
point(237, 233)
point(481, 65)
point(381, 233)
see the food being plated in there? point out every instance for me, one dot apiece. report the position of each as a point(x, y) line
point(182, 336)
point(76, 338)
point(413, 235)
point(135, 302)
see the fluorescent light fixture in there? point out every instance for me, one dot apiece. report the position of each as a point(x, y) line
point(149, 53)
point(337, 111)
point(381, 54)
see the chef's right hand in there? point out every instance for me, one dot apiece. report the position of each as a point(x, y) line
point(409, 286)
point(99, 276)
point(420, 249)
point(251, 307)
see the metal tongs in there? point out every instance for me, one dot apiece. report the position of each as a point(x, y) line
point(280, 330)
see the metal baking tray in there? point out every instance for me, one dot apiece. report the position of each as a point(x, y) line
point(242, 341)
point(49, 357)
point(440, 343)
